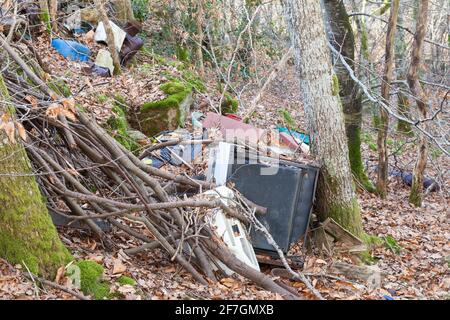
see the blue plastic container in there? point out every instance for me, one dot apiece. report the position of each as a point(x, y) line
point(71, 50)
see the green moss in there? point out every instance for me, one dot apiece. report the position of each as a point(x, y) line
point(182, 53)
point(118, 127)
point(27, 233)
point(229, 104)
point(415, 196)
point(356, 165)
point(391, 244)
point(348, 216)
point(176, 91)
point(91, 274)
point(290, 122)
point(124, 280)
point(372, 240)
point(45, 17)
point(102, 98)
point(335, 85)
point(60, 87)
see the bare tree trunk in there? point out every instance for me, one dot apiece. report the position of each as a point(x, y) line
point(383, 125)
point(109, 35)
point(45, 14)
point(27, 234)
point(124, 10)
point(336, 194)
point(400, 53)
point(341, 37)
point(199, 24)
point(53, 9)
point(415, 196)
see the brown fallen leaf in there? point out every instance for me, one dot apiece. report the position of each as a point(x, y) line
point(22, 132)
point(33, 101)
point(118, 267)
point(10, 132)
point(59, 274)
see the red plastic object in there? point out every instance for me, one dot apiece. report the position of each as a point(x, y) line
point(231, 128)
point(233, 116)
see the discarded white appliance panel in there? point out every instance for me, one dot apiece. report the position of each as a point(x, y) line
point(119, 34)
point(232, 232)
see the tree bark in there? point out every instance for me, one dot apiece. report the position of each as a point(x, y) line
point(124, 10)
point(45, 14)
point(53, 9)
point(27, 234)
point(99, 4)
point(383, 125)
point(336, 195)
point(400, 53)
point(415, 196)
point(341, 36)
point(199, 25)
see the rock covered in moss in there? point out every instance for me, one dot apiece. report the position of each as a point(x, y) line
point(166, 114)
point(91, 283)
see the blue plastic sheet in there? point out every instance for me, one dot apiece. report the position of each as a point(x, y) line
point(71, 50)
point(297, 135)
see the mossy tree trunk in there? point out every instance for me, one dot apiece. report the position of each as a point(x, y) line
point(341, 37)
point(400, 54)
point(336, 195)
point(45, 14)
point(382, 173)
point(416, 195)
point(27, 234)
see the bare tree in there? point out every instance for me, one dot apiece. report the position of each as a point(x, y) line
point(199, 25)
point(336, 194)
point(383, 124)
point(342, 38)
point(124, 10)
point(415, 196)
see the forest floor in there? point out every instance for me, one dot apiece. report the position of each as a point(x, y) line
point(414, 262)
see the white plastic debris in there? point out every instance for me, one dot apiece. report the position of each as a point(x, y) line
point(105, 60)
point(231, 231)
point(119, 34)
point(219, 163)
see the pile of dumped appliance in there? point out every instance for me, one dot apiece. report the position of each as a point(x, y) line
point(283, 189)
point(126, 40)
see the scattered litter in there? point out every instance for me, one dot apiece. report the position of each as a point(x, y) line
point(232, 232)
point(196, 118)
point(119, 34)
point(407, 177)
point(299, 137)
point(130, 47)
point(71, 50)
point(132, 28)
point(97, 70)
point(177, 154)
point(105, 60)
point(231, 128)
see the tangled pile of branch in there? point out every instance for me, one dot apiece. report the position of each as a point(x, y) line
point(72, 155)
